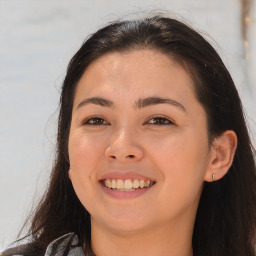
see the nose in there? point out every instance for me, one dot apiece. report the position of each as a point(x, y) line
point(124, 146)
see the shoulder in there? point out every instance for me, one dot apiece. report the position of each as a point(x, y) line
point(28, 249)
point(66, 245)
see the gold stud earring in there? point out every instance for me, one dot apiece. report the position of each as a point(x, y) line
point(213, 177)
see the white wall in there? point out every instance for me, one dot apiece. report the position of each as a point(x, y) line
point(37, 39)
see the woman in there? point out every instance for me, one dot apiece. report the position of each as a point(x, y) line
point(153, 154)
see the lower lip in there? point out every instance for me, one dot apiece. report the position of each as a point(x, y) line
point(125, 194)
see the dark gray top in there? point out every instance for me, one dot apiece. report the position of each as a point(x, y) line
point(67, 245)
point(57, 246)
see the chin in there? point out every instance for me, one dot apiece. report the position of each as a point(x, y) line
point(123, 221)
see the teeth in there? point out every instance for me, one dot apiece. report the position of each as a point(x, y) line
point(147, 183)
point(136, 183)
point(142, 183)
point(119, 184)
point(113, 184)
point(127, 185)
point(108, 183)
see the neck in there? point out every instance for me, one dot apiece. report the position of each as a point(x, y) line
point(157, 241)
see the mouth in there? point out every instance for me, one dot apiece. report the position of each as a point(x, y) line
point(127, 185)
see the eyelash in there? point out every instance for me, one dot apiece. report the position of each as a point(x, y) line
point(93, 119)
point(163, 120)
point(157, 120)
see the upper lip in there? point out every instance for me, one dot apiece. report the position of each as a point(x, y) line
point(124, 175)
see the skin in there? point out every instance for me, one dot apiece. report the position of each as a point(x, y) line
point(175, 154)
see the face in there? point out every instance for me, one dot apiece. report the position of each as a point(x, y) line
point(138, 142)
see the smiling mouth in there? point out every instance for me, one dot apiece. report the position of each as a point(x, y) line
point(127, 185)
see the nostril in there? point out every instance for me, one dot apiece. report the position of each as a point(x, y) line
point(131, 156)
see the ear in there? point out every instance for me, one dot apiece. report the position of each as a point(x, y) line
point(69, 174)
point(221, 155)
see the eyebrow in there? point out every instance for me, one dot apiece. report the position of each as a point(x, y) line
point(97, 101)
point(141, 103)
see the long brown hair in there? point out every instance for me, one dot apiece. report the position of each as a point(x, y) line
point(226, 218)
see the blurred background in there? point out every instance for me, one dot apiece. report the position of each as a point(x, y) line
point(38, 38)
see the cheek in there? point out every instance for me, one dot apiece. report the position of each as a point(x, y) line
point(84, 152)
point(182, 161)
point(176, 151)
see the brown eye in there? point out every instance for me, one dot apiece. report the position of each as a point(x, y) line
point(160, 121)
point(95, 121)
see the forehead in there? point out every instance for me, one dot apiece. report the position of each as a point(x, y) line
point(147, 70)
